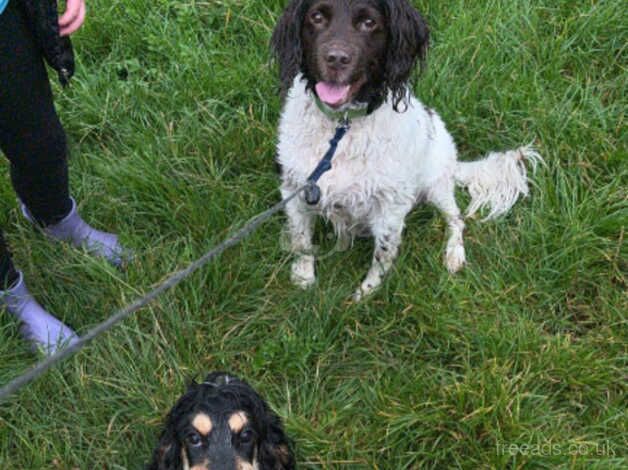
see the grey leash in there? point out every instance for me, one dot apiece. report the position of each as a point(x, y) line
point(45, 364)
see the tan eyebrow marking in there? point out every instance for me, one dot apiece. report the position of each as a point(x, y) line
point(203, 424)
point(237, 421)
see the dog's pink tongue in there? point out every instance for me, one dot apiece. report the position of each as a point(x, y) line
point(331, 94)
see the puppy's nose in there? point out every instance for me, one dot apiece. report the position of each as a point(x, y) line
point(337, 57)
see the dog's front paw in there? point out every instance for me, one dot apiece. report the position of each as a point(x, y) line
point(358, 295)
point(303, 274)
point(455, 258)
point(365, 289)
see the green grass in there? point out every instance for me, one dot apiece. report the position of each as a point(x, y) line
point(526, 346)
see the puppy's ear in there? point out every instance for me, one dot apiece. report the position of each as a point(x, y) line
point(276, 450)
point(286, 42)
point(167, 455)
point(408, 43)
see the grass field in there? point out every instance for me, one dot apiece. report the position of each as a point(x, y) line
point(172, 122)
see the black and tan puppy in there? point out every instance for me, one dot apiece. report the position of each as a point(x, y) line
point(222, 424)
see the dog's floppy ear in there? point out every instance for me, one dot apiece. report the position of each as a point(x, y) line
point(286, 42)
point(275, 450)
point(408, 42)
point(167, 455)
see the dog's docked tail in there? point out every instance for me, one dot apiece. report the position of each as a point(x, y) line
point(497, 181)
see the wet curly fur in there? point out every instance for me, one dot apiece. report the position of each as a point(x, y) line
point(361, 55)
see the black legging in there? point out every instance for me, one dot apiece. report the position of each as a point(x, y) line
point(31, 135)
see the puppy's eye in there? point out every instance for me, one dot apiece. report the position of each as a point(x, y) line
point(317, 17)
point(193, 439)
point(246, 436)
point(367, 24)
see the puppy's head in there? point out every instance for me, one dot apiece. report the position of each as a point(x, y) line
point(222, 424)
point(350, 51)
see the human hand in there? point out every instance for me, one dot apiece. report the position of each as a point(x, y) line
point(73, 17)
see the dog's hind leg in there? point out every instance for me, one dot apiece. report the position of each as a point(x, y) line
point(386, 228)
point(300, 231)
point(443, 198)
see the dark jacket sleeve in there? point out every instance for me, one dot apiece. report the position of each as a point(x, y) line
point(43, 19)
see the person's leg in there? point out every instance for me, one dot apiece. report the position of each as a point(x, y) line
point(8, 273)
point(39, 327)
point(31, 135)
point(33, 139)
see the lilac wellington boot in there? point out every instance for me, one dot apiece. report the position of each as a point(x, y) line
point(75, 230)
point(43, 330)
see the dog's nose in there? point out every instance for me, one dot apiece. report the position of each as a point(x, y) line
point(337, 57)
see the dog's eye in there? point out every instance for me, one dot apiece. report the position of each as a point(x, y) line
point(246, 436)
point(367, 24)
point(193, 439)
point(317, 17)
